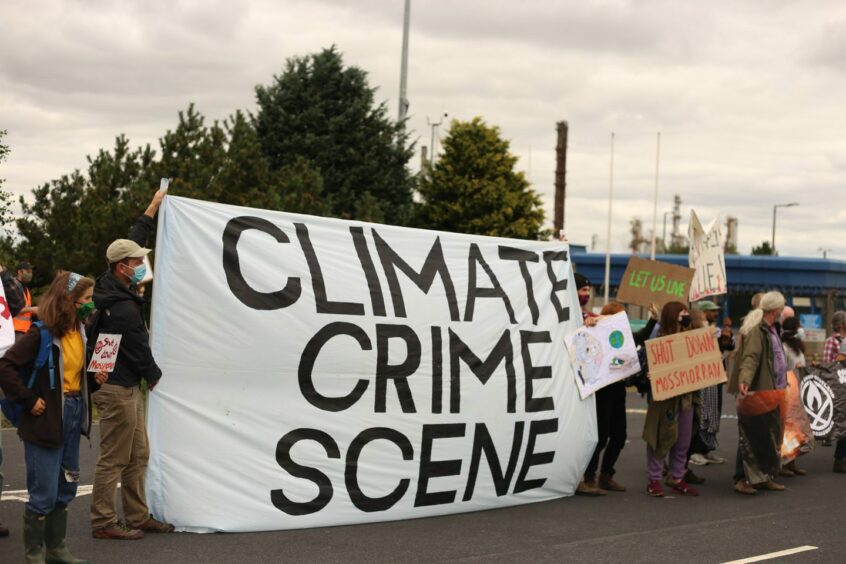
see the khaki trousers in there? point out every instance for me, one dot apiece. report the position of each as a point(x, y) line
point(124, 451)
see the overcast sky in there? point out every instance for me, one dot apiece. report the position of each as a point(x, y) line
point(744, 93)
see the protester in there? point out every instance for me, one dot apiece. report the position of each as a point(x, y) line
point(611, 421)
point(14, 303)
point(667, 429)
point(23, 319)
point(840, 450)
point(583, 288)
point(54, 415)
point(832, 344)
point(792, 334)
point(759, 371)
point(707, 426)
point(124, 449)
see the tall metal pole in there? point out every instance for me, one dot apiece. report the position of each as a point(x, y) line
point(403, 99)
point(655, 199)
point(772, 242)
point(560, 176)
point(608, 235)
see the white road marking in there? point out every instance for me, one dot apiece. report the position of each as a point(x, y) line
point(772, 555)
point(638, 411)
point(23, 496)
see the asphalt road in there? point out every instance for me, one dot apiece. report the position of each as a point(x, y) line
point(718, 526)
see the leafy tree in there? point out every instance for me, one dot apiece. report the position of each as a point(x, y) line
point(5, 197)
point(473, 187)
point(763, 249)
point(324, 113)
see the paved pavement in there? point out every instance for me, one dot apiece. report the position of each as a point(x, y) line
point(718, 526)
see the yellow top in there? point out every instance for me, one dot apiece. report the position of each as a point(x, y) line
point(72, 356)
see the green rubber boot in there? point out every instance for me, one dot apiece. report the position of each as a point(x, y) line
point(54, 538)
point(34, 537)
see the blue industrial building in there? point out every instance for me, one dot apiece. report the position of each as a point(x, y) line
point(811, 285)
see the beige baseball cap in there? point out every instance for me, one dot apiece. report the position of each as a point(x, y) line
point(125, 248)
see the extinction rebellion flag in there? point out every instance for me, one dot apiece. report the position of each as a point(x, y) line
point(823, 393)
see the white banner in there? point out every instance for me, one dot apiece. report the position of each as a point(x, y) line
point(603, 354)
point(325, 372)
point(7, 325)
point(707, 257)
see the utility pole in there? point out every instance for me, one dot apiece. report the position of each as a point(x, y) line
point(434, 127)
point(560, 176)
point(403, 98)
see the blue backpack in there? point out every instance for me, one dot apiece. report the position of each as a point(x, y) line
point(13, 410)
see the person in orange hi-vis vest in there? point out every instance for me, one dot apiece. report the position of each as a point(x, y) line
point(24, 318)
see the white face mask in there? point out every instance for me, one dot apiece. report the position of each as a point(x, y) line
point(800, 334)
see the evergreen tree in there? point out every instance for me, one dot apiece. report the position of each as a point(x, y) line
point(5, 197)
point(473, 187)
point(324, 113)
point(763, 249)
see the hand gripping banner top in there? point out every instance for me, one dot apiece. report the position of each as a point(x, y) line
point(326, 372)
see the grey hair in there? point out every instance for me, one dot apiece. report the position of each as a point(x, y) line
point(838, 320)
point(771, 301)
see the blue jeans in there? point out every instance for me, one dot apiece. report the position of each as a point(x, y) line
point(840, 451)
point(52, 474)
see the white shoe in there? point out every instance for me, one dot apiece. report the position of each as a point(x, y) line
point(698, 460)
point(714, 458)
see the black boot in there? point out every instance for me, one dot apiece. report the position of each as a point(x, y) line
point(54, 538)
point(33, 537)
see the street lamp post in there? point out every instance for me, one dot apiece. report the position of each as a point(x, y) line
point(775, 207)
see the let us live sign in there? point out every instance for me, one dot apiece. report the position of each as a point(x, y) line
point(684, 362)
point(648, 282)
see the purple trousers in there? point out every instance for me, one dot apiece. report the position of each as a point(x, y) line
point(677, 455)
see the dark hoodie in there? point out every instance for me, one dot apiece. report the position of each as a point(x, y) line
point(120, 311)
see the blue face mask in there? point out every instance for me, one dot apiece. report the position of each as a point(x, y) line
point(138, 273)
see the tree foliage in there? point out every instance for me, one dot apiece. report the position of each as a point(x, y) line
point(5, 197)
point(473, 187)
point(763, 249)
point(320, 114)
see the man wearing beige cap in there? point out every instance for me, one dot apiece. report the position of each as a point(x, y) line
point(123, 434)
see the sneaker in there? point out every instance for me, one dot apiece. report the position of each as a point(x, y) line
point(770, 486)
point(608, 483)
point(654, 489)
point(118, 531)
point(713, 458)
point(744, 487)
point(786, 472)
point(698, 460)
point(153, 526)
point(692, 478)
point(840, 466)
point(683, 488)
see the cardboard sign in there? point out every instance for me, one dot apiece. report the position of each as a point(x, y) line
point(105, 353)
point(648, 282)
point(684, 362)
point(603, 354)
point(707, 258)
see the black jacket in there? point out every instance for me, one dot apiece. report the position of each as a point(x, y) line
point(46, 429)
point(14, 293)
point(120, 311)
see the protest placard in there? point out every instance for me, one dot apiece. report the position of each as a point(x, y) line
point(684, 362)
point(648, 282)
point(823, 393)
point(105, 353)
point(707, 258)
point(362, 372)
point(602, 354)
